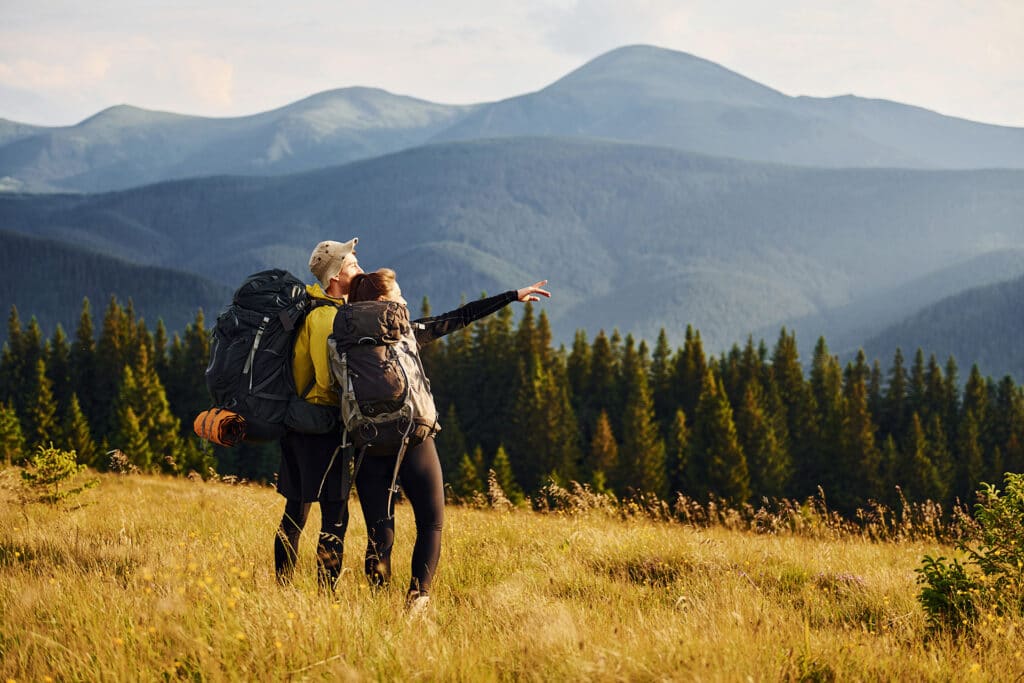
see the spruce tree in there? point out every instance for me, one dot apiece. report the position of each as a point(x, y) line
point(642, 456)
point(717, 462)
point(917, 387)
point(767, 458)
point(794, 396)
point(12, 440)
point(451, 442)
point(603, 460)
point(859, 465)
point(938, 443)
point(661, 380)
point(41, 414)
point(689, 366)
point(824, 465)
point(895, 414)
point(602, 385)
point(969, 458)
point(503, 474)
point(677, 448)
point(77, 436)
point(919, 475)
point(467, 478)
point(83, 367)
point(12, 373)
point(58, 369)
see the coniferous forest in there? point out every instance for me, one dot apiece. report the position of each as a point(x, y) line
point(610, 411)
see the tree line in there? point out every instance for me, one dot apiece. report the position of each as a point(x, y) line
point(612, 412)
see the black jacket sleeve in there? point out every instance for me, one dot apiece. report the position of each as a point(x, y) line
point(435, 327)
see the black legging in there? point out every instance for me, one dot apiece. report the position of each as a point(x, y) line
point(330, 545)
point(423, 485)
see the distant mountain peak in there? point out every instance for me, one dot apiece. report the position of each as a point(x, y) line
point(670, 74)
point(127, 115)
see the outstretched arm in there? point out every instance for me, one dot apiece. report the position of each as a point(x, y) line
point(435, 327)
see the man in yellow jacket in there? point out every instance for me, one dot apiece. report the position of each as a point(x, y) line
point(312, 466)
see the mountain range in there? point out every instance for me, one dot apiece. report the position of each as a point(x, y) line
point(637, 94)
point(653, 188)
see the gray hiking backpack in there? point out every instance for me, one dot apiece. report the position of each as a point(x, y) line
point(384, 393)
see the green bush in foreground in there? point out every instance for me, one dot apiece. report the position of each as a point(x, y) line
point(953, 596)
point(48, 470)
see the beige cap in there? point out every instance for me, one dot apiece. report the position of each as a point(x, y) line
point(327, 258)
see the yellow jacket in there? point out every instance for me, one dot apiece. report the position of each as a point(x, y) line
point(309, 356)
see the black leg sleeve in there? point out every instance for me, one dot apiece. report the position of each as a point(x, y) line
point(372, 483)
point(331, 544)
point(424, 486)
point(286, 541)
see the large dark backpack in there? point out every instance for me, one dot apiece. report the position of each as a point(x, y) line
point(250, 358)
point(384, 392)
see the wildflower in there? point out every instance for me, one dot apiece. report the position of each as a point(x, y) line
point(232, 604)
point(278, 644)
point(240, 636)
point(118, 641)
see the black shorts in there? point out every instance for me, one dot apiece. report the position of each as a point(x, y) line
point(312, 468)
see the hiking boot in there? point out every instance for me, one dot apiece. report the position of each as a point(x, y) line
point(416, 604)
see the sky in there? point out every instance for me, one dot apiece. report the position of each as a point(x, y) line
point(64, 60)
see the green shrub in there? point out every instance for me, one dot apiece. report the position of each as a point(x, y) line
point(954, 594)
point(49, 473)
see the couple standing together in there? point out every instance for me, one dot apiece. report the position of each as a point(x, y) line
point(311, 469)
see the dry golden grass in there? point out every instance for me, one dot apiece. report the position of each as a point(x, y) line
point(147, 578)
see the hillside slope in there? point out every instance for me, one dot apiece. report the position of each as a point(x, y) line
point(48, 279)
point(630, 236)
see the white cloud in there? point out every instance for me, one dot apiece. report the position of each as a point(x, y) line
point(960, 57)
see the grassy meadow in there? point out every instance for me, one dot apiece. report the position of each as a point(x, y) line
point(151, 578)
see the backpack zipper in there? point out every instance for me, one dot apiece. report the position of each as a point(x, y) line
point(252, 352)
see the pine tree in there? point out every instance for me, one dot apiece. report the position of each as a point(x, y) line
point(690, 365)
point(76, 435)
point(824, 467)
point(467, 478)
point(895, 403)
point(603, 461)
point(11, 369)
point(129, 436)
point(677, 448)
point(451, 442)
point(917, 388)
point(661, 380)
point(794, 396)
point(642, 456)
point(503, 474)
point(767, 458)
point(718, 464)
point(58, 369)
point(602, 394)
point(938, 443)
point(112, 356)
point(969, 458)
point(41, 414)
point(12, 440)
point(184, 376)
point(83, 367)
point(859, 465)
point(919, 475)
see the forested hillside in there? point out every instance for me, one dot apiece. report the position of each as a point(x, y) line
point(631, 237)
point(985, 324)
point(48, 279)
point(612, 412)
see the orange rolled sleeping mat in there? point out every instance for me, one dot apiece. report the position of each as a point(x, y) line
point(220, 426)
